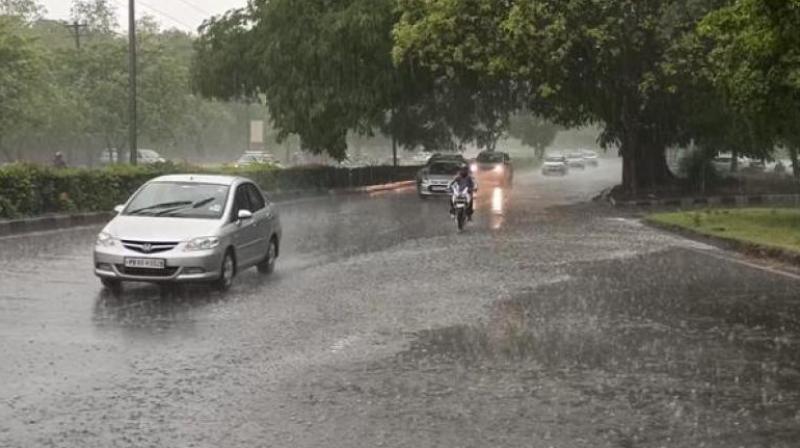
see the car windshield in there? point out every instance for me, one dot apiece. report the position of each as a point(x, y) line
point(179, 200)
point(445, 168)
point(491, 157)
point(554, 159)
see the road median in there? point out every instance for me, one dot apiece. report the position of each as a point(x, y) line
point(764, 232)
point(65, 221)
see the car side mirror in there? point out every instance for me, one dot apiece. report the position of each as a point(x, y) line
point(244, 215)
point(118, 209)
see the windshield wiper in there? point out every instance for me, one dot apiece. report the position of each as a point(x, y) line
point(186, 205)
point(157, 206)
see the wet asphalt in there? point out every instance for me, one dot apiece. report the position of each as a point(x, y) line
point(550, 322)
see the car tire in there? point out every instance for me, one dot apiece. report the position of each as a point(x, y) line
point(227, 272)
point(113, 285)
point(267, 266)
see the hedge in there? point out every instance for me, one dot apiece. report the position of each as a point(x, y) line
point(30, 190)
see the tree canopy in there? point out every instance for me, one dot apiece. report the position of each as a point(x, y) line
point(325, 68)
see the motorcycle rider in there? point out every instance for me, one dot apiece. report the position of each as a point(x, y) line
point(464, 180)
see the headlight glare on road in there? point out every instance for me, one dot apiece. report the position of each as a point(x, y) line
point(104, 239)
point(202, 243)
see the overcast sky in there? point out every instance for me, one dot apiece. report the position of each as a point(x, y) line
point(183, 14)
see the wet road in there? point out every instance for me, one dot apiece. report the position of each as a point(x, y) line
point(549, 322)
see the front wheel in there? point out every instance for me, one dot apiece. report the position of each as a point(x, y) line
point(113, 285)
point(226, 273)
point(462, 217)
point(268, 265)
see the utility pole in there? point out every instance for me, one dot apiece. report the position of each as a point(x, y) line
point(132, 146)
point(75, 29)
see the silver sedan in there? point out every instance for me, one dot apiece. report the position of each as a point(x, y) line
point(189, 228)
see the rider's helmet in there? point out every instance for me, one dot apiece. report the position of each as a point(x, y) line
point(463, 171)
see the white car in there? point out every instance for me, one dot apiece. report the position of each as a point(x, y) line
point(575, 160)
point(189, 228)
point(590, 158)
point(555, 165)
point(143, 157)
point(255, 158)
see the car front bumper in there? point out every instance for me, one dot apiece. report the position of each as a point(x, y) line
point(426, 189)
point(196, 266)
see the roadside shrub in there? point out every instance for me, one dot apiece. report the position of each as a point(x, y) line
point(28, 190)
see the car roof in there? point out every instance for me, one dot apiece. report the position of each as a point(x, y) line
point(201, 179)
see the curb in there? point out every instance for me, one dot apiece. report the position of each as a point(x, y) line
point(738, 200)
point(55, 222)
point(744, 247)
point(52, 222)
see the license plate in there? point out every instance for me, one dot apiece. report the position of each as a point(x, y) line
point(438, 188)
point(146, 263)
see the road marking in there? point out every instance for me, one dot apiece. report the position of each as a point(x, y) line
point(734, 259)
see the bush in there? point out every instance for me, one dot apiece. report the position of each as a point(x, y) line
point(28, 190)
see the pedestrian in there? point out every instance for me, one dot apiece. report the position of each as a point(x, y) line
point(58, 160)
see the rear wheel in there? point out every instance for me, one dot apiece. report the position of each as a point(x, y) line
point(268, 265)
point(227, 272)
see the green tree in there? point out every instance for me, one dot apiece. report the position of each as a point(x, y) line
point(325, 69)
point(582, 62)
point(754, 61)
point(20, 76)
point(533, 131)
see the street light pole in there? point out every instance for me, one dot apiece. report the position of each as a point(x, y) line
point(132, 145)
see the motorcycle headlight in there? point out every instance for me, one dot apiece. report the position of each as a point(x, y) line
point(104, 239)
point(202, 243)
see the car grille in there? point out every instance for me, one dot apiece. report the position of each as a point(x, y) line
point(148, 247)
point(145, 272)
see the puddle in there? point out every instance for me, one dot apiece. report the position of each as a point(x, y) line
point(654, 329)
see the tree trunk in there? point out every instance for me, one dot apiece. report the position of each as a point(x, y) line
point(643, 167)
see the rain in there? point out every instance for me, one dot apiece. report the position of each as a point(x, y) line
point(292, 261)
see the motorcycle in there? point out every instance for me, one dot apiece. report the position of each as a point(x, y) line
point(461, 199)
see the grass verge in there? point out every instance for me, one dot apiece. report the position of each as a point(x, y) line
point(772, 229)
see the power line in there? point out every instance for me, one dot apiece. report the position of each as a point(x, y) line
point(163, 14)
point(195, 7)
point(160, 13)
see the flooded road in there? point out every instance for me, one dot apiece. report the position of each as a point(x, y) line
point(549, 321)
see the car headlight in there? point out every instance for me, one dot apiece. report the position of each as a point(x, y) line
point(202, 243)
point(473, 167)
point(104, 239)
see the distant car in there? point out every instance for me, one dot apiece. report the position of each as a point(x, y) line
point(494, 165)
point(189, 228)
point(555, 165)
point(144, 157)
point(590, 158)
point(420, 158)
point(447, 157)
point(575, 160)
point(434, 179)
point(255, 158)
